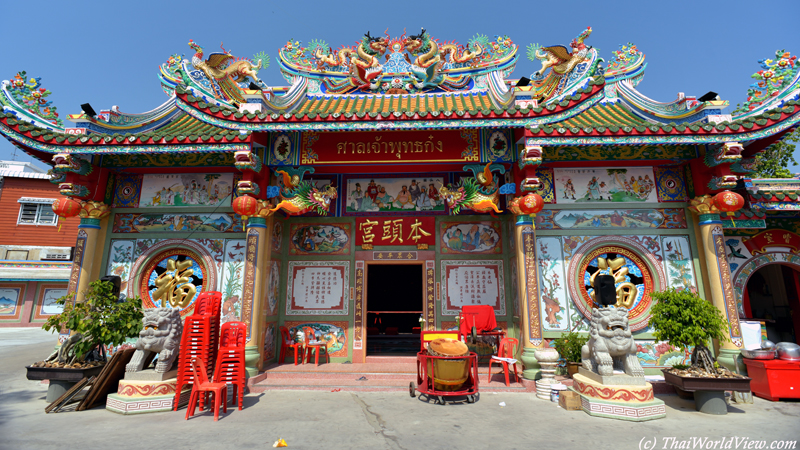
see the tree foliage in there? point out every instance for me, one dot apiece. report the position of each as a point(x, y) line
point(684, 319)
point(774, 161)
point(569, 346)
point(101, 319)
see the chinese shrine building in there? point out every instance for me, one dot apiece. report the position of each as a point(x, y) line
point(377, 193)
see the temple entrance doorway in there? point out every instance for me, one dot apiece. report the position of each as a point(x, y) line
point(394, 304)
point(773, 293)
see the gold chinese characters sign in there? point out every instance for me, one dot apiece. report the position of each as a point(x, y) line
point(395, 231)
point(173, 278)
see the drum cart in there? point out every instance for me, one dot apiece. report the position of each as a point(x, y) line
point(427, 378)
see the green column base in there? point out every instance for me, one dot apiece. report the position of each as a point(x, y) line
point(533, 371)
point(251, 357)
point(731, 359)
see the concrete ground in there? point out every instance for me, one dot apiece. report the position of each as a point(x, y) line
point(366, 420)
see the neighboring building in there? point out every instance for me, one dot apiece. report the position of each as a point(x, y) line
point(381, 135)
point(35, 246)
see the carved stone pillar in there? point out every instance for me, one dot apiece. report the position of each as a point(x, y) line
point(525, 240)
point(256, 274)
point(719, 276)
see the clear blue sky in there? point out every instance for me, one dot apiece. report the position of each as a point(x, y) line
point(107, 53)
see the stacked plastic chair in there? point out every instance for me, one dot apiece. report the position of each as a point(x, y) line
point(200, 340)
point(230, 359)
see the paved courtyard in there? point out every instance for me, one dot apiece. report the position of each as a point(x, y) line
point(391, 420)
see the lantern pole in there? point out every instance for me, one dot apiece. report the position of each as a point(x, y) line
point(719, 276)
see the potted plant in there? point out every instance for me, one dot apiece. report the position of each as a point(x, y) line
point(569, 347)
point(683, 319)
point(101, 319)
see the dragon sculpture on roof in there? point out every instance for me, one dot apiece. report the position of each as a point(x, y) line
point(365, 69)
point(226, 71)
point(426, 68)
point(561, 61)
point(299, 196)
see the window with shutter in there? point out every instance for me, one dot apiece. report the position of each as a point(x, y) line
point(36, 214)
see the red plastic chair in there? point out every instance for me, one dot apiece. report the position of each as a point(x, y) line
point(312, 344)
point(506, 349)
point(202, 386)
point(286, 343)
point(230, 367)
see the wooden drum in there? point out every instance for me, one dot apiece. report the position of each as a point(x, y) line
point(450, 374)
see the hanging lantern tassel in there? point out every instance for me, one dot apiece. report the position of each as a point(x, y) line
point(59, 224)
point(244, 221)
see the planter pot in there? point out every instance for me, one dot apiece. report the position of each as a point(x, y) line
point(572, 368)
point(709, 393)
point(61, 380)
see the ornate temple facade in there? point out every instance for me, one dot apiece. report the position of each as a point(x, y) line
point(384, 187)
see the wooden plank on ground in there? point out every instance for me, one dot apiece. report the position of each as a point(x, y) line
point(67, 396)
point(108, 380)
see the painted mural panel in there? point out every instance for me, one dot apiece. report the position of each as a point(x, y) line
point(47, 301)
point(470, 237)
point(551, 284)
point(334, 335)
point(465, 282)
point(127, 189)
point(660, 354)
point(232, 278)
point(201, 189)
point(161, 223)
point(11, 297)
point(120, 258)
point(553, 219)
point(277, 236)
point(633, 184)
point(671, 184)
point(320, 239)
point(399, 195)
point(318, 288)
point(270, 341)
point(273, 284)
point(678, 262)
point(737, 253)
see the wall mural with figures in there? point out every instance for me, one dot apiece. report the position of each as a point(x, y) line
point(206, 189)
point(633, 184)
point(383, 195)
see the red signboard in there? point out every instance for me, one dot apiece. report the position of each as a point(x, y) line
point(390, 147)
point(772, 238)
point(395, 230)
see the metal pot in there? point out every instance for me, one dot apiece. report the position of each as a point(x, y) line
point(759, 354)
point(788, 351)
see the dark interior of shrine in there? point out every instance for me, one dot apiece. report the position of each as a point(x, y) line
point(394, 306)
point(774, 294)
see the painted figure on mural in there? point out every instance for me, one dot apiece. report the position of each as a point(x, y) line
point(415, 191)
point(604, 194)
point(569, 189)
point(372, 190)
point(358, 197)
point(423, 201)
point(593, 189)
point(403, 199)
point(433, 195)
point(384, 200)
point(454, 239)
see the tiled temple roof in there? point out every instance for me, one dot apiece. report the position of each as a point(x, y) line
point(603, 115)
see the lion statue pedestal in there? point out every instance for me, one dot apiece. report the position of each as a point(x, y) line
point(611, 381)
point(146, 390)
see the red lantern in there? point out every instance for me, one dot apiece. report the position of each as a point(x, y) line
point(66, 207)
point(728, 202)
point(245, 206)
point(531, 204)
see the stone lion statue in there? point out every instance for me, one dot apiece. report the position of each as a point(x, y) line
point(161, 335)
point(610, 344)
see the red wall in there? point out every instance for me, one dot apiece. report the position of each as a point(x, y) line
point(13, 234)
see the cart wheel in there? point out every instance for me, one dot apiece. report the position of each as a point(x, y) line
point(470, 399)
point(441, 400)
point(412, 390)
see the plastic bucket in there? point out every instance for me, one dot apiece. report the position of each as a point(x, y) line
point(555, 391)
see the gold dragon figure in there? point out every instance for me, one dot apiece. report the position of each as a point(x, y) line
point(479, 194)
point(226, 70)
point(299, 197)
point(364, 64)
